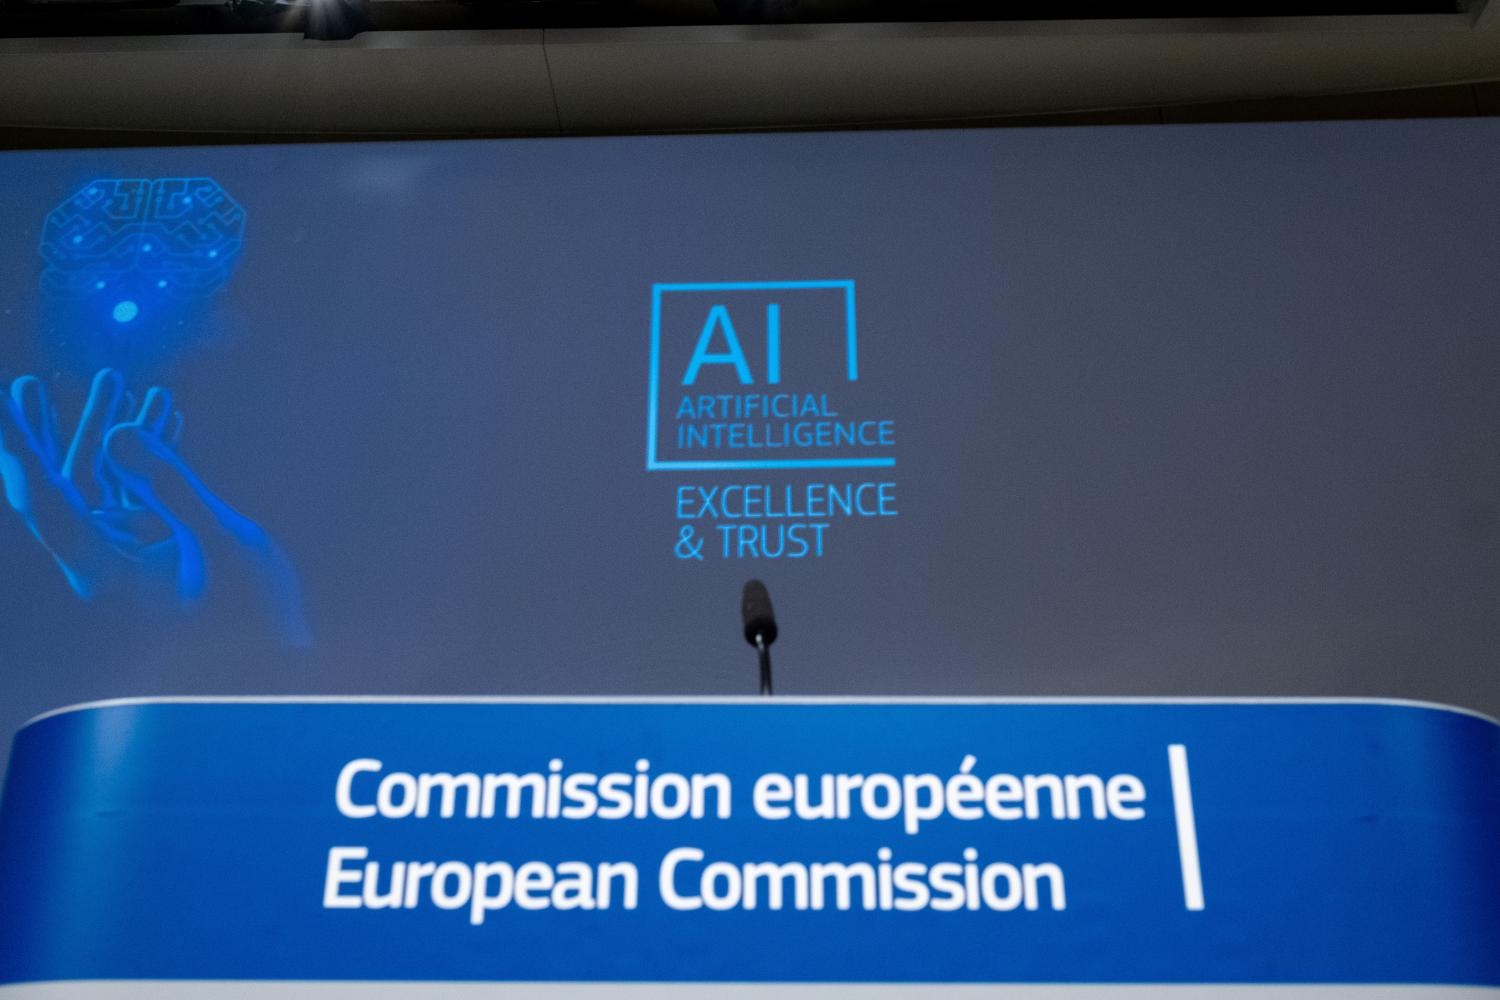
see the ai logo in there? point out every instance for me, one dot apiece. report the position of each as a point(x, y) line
point(759, 375)
point(763, 376)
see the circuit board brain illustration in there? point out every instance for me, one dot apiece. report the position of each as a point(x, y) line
point(130, 245)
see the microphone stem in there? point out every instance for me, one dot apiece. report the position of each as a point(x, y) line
point(765, 663)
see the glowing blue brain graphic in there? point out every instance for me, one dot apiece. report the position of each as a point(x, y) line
point(136, 239)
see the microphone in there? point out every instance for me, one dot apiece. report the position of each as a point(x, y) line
point(760, 627)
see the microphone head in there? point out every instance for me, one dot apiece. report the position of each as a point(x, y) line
point(755, 608)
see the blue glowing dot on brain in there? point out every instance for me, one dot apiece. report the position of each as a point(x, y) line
point(178, 235)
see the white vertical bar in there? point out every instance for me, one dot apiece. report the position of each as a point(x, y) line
point(1187, 829)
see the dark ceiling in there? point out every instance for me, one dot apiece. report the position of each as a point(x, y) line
point(344, 18)
point(327, 69)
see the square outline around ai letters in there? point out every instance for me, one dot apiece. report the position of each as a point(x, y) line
point(658, 289)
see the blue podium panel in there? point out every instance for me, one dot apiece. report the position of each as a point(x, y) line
point(561, 846)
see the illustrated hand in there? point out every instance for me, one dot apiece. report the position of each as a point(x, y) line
point(45, 485)
point(120, 504)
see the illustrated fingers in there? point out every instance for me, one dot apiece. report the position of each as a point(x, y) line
point(137, 456)
point(129, 411)
point(52, 509)
point(29, 394)
point(12, 472)
point(150, 472)
point(149, 416)
point(149, 468)
point(83, 466)
point(156, 410)
point(129, 532)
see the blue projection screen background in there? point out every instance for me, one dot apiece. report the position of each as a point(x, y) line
point(1177, 411)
